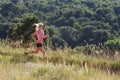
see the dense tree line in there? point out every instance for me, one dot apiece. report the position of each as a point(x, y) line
point(75, 22)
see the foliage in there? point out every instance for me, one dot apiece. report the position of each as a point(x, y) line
point(101, 17)
point(113, 44)
point(24, 28)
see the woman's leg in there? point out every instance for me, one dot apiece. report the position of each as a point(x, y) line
point(33, 52)
point(44, 52)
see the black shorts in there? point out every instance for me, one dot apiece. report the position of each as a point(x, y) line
point(39, 45)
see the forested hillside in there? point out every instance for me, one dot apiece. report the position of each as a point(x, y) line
point(76, 22)
point(83, 42)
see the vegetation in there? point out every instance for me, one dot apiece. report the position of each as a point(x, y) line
point(62, 64)
point(113, 44)
point(83, 41)
point(75, 22)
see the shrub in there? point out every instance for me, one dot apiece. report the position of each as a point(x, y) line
point(113, 44)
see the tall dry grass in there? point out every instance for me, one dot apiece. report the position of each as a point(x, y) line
point(62, 64)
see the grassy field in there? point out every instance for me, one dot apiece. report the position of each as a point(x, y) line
point(62, 64)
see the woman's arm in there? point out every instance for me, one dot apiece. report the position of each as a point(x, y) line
point(45, 36)
point(33, 37)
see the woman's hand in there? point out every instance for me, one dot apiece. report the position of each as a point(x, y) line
point(45, 36)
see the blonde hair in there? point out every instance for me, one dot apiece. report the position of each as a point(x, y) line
point(39, 25)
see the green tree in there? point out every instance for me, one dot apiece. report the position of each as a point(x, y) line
point(86, 34)
point(24, 30)
point(113, 44)
point(69, 35)
point(57, 41)
point(101, 36)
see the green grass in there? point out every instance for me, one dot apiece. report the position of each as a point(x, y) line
point(62, 64)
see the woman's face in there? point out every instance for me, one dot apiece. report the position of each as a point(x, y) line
point(40, 27)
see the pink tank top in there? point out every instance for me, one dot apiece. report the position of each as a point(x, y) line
point(40, 36)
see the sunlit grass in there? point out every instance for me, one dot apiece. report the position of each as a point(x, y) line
point(62, 64)
point(49, 71)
